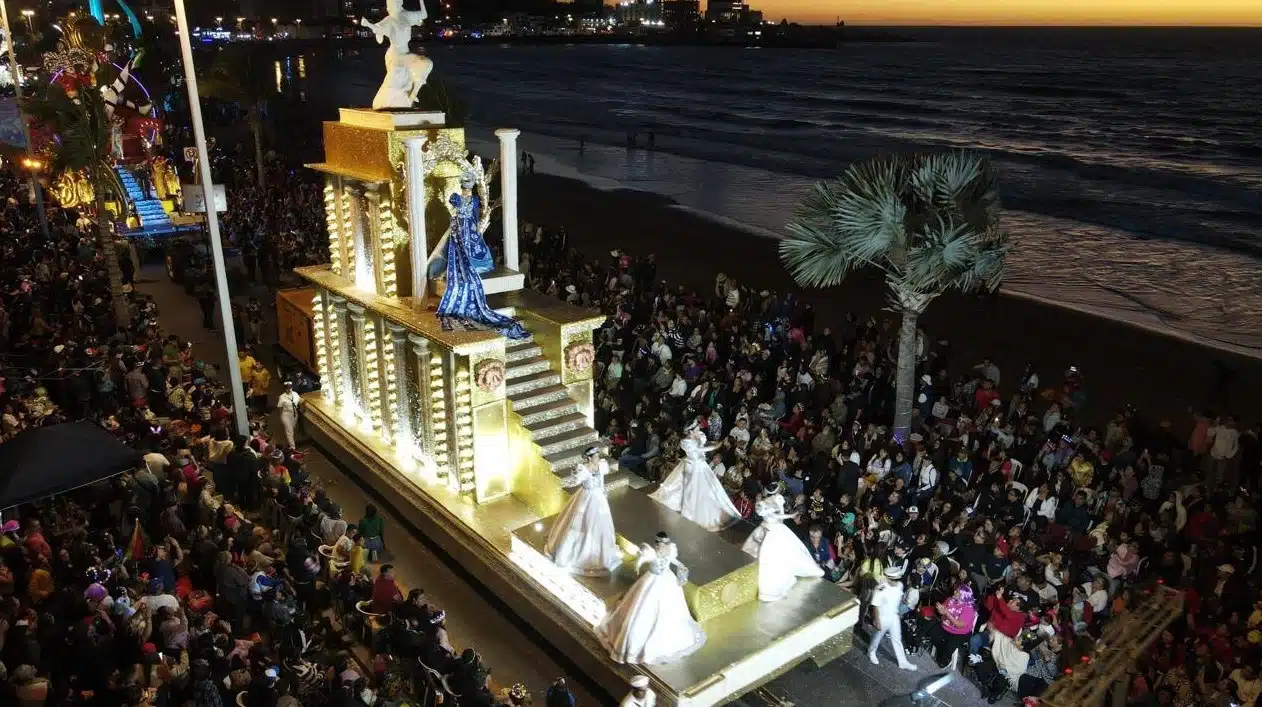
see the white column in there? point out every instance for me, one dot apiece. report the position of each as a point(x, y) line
point(419, 247)
point(508, 199)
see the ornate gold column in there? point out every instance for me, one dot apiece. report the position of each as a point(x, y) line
point(372, 236)
point(386, 228)
point(397, 399)
point(346, 219)
point(320, 334)
point(372, 375)
point(466, 469)
point(434, 432)
point(355, 368)
point(337, 245)
point(339, 345)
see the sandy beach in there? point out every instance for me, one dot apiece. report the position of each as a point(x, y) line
point(1122, 364)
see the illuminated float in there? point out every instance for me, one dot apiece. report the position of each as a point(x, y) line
point(469, 431)
point(84, 60)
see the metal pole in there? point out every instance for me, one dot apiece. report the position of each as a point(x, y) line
point(26, 128)
point(212, 221)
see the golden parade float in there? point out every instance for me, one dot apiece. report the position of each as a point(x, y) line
point(141, 186)
point(467, 401)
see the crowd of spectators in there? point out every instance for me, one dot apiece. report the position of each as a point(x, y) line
point(218, 572)
point(1017, 526)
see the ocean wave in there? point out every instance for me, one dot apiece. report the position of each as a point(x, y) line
point(1157, 138)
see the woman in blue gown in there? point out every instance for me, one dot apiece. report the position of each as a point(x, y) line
point(467, 258)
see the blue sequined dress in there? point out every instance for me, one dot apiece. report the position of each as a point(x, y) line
point(468, 257)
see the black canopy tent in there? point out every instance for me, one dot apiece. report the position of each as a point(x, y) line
point(46, 461)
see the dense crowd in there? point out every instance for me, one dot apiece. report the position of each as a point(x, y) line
point(1013, 528)
point(218, 572)
point(278, 228)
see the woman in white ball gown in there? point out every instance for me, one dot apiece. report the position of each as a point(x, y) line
point(651, 624)
point(582, 539)
point(693, 490)
point(782, 558)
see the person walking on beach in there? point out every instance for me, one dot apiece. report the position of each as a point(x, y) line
point(582, 142)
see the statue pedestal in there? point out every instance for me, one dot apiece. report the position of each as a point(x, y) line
point(392, 119)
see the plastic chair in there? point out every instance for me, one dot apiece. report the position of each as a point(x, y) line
point(368, 616)
point(436, 679)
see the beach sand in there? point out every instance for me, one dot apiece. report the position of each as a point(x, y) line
point(1122, 364)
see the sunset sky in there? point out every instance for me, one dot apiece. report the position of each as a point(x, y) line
point(1018, 12)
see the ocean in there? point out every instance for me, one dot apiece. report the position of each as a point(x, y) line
point(1131, 159)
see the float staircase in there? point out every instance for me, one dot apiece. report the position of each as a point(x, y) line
point(149, 210)
point(557, 426)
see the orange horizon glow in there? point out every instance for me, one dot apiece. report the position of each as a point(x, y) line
point(1085, 13)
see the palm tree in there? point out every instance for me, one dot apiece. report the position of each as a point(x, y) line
point(238, 75)
point(929, 223)
point(82, 129)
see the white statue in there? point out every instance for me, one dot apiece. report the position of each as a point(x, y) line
point(405, 72)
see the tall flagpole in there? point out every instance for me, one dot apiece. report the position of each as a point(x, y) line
point(212, 221)
point(26, 128)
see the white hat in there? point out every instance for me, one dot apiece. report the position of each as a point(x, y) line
point(913, 509)
point(895, 572)
point(1226, 569)
point(571, 289)
point(640, 682)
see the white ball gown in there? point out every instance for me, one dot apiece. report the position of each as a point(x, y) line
point(582, 539)
point(692, 489)
point(782, 558)
point(651, 623)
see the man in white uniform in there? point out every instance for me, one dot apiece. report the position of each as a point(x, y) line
point(885, 600)
point(640, 695)
point(289, 404)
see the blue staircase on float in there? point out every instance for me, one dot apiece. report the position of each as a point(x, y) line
point(149, 210)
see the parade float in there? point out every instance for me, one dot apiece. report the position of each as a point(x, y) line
point(468, 403)
point(143, 186)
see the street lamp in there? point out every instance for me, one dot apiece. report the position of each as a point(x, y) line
point(212, 220)
point(28, 14)
point(218, 21)
point(275, 21)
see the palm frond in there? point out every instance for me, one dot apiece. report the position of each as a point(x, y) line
point(929, 222)
point(811, 253)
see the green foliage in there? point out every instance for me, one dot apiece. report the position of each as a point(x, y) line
point(82, 128)
point(929, 222)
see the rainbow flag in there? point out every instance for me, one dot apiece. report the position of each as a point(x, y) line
point(136, 545)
